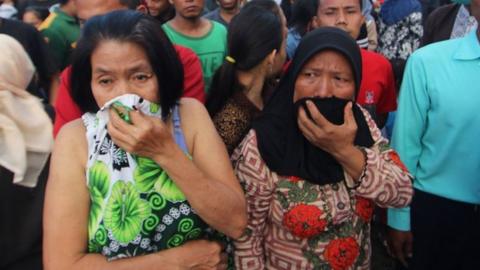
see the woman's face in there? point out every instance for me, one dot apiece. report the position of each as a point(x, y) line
point(120, 68)
point(326, 74)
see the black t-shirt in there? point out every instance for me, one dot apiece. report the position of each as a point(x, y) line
point(36, 47)
point(21, 210)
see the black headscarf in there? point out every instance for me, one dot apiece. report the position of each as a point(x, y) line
point(280, 142)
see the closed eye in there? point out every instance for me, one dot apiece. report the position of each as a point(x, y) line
point(105, 81)
point(142, 77)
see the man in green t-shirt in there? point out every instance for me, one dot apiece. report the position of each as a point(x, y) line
point(208, 39)
point(61, 30)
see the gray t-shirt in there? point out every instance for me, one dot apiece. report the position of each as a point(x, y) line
point(214, 15)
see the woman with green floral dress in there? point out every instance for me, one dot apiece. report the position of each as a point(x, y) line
point(144, 178)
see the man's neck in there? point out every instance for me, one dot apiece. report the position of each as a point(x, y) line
point(228, 14)
point(67, 9)
point(197, 28)
point(186, 25)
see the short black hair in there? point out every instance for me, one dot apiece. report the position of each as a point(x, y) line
point(63, 2)
point(131, 4)
point(269, 5)
point(41, 12)
point(318, 3)
point(127, 26)
point(302, 13)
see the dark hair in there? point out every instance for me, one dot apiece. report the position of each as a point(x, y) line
point(269, 5)
point(41, 12)
point(127, 26)
point(166, 15)
point(63, 2)
point(360, 2)
point(302, 13)
point(286, 6)
point(130, 4)
point(252, 35)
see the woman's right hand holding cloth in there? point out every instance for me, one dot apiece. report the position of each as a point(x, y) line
point(337, 140)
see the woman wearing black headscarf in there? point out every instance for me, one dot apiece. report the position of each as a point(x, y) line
point(314, 165)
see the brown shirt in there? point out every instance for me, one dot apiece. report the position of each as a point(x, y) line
point(234, 119)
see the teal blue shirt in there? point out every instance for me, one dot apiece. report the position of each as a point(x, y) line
point(437, 127)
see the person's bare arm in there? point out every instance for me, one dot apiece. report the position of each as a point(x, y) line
point(207, 181)
point(55, 83)
point(66, 212)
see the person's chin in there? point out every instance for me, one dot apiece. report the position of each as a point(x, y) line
point(192, 12)
point(229, 6)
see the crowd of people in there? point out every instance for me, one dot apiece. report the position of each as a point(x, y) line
point(233, 134)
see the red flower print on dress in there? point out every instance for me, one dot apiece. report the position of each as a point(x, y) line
point(304, 221)
point(294, 179)
point(364, 208)
point(341, 253)
point(396, 159)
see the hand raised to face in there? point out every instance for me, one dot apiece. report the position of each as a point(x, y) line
point(329, 137)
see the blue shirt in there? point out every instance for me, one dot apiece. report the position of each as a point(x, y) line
point(293, 39)
point(437, 127)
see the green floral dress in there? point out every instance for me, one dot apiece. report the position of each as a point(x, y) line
point(135, 206)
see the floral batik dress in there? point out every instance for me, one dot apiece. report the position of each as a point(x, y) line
point(135, 207)
point(294, 224)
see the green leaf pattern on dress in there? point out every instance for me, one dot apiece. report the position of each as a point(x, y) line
point(148, 174)
point(99, 183)
point(125, 212)
point(136, 209)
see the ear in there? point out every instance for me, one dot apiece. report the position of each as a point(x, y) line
point(271, 57)
point(142, 9)
point(363, 18)
point(313, 24)
point(269, 62)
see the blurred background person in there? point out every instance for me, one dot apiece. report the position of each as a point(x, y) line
point(430, 5)
point(225, 11)
point(368, 37)
point(23, 4)
point(161, 10)
point(61, 30)
point(35, 15)
point(400, 32)
point(25, 142)
point(45, 81)
point(255, 41)
point(207, 38)
point(303, 11)
point(450, 21)
point(8, 10)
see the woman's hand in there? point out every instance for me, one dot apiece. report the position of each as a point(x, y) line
point(146, 136)
point(334, 139)
point(201, 254)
